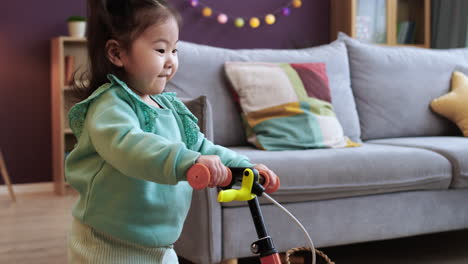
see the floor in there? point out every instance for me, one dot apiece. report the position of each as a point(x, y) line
point(34, 230)
point(442, 248)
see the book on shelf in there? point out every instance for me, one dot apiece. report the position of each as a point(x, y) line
point(69, 69)
point(406, 31)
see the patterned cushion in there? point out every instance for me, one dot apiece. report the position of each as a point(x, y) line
point(286, 106)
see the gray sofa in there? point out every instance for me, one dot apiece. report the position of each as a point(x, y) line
point(409, 177)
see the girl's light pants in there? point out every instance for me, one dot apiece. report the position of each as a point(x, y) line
point(88, 246)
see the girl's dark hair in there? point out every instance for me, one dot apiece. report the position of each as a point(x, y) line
point(122, 20)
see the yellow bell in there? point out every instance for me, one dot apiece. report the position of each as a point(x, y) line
point(243, 194)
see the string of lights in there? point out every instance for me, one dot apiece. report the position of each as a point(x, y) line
point(239, 21)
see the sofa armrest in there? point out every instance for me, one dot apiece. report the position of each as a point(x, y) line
point(201, 238)
point(201, 108)
point(200, 241)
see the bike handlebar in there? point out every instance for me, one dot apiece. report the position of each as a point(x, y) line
point(199, 177)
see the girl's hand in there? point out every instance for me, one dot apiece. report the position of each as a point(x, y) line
point(270, 174)
point(218, 171)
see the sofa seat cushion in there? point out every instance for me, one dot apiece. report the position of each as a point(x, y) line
point(331, 173)
point(455, 149)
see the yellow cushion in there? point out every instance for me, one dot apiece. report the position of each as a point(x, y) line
point(454, 105)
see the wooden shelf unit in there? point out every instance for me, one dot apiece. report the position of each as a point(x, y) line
point(63, 139)
point(344, 18)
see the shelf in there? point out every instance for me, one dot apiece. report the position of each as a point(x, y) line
point(412, 45)
point(404, 45)
point(68, 58)
point(72, 39)
point(379, 21)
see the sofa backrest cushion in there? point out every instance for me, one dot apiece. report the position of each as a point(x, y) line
point(393, 88)
point(286, 106)
point(201, 72)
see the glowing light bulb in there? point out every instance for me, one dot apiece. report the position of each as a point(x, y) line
point(193, 3)
point(254, 22)
point(286, 11)
point(239, 22)
point(207, 12)
point(297, 3)
point(270, 19)
point(222, 18)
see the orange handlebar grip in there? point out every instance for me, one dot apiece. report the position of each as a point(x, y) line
point(199, 177)
point(266, 183)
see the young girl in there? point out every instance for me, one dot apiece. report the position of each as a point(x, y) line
point(135, 143)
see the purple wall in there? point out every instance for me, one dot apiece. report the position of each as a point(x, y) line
point(25, 33)
point(305, 26)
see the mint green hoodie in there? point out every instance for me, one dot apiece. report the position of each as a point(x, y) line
point(130, 162)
